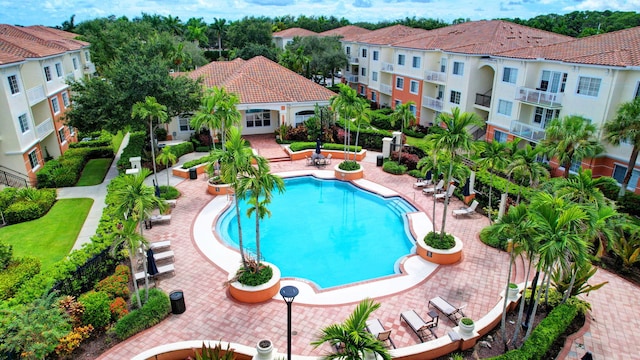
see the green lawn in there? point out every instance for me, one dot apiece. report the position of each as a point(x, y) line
point(51, 237)
point(94, 172)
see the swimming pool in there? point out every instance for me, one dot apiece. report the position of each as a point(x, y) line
point(327, 231)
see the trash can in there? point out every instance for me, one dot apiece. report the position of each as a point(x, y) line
point(193, 174)
point(380, 160)
point(177, 302)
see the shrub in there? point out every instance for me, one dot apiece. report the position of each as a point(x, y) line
point(181, 149)
point(349, 165)
point(134, 148)
point(16, 274)
point(202, 149)
point(298, 133)
point(609, 189)
point(195, 162)
point(250, 278)
point(6, 253)
point(68, 343)
point(73, 308)
point(96, 309)
point(7, 197)
point(151, 313)
point(416, 173)
point(630, 203)
point(299, 146)
point(118, 308)
point(437, 241)
point(392, 167)
point(114, 286)
point(410, 160)
point(169, 192)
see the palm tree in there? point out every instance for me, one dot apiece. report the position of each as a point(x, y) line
point(218, 110)
point(570, 139)
point(168, 159)
point(525, 166)
point(260, 184)
point(179, 56)
point(584, 189)
point(625, 127)
point(351, 337)
point(219, 27)
point(345, 104)
point(493, 157)
point(453, 139)
point(127, 234)
point(403, 113)
point(150, 110)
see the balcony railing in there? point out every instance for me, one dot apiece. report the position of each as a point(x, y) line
point(386, 89)
point(352, 78)
point(539, 97)
point(526, 131)
point(354, 59)
point(432, 103)
point(35, 94)
point(483, 100)
point(435, 76)
point(387, 67)
point(44, 129)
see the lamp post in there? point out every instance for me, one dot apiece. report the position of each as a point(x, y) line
point(288, 294)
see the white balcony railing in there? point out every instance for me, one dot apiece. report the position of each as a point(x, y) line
point(435, 76)
point(387, 67)
point(353, 59)
point(44, 129)
point(432, 103)
point(35, 94)
point(386, 89)
point(526, 131)
point(539, 97)
point(352, 78)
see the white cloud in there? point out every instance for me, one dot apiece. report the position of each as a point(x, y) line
point(613, 5)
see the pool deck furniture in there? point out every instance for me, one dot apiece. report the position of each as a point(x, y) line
point(452, 312)
point(159, 244)
point(448, 194)
point(163, 269)
point(423, 329)
point(163, 255)
point(420, 183)
point(467, 210)
point(432, 190)
point(376, 328)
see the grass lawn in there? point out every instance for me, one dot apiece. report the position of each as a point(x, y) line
point(419, 143)
point(51, 237)
point(94, 172)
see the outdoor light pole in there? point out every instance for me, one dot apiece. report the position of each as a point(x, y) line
point(288, 294)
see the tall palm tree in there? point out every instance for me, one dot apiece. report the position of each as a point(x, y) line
point(455, 138)
point(218, 110)
point(525, 167)
point(260, 184)
point(570, 139)
point(168, 159)
point(625, 127)
point(362, 113)
point(352, 337)
point(404, 114)
point(584, 189)
point(219, 27)
point(150, 110)
point(345, 104)
point(493, 157)
point(126, 233)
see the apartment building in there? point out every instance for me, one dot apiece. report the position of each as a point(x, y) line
point(514, 77)
point(36, 65)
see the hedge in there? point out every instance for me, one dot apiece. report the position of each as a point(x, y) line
point(96, 309)
point(16, 274)
point(134, 148)
point(26, 204)
point(392, 167)
point(151, 313)
point(299, 146)
point(180, 149)
point(66, 169)
point(196, 162)
point(630, 203)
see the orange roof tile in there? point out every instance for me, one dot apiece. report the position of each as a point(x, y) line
point(293, 32)
point(347, 33)
point(260, 80)
point(387, 35)
point(19, 43)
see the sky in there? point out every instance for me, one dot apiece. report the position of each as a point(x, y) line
point(55, 12)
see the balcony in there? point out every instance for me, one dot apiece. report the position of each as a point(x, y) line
point(432, 103)
point(435, 76)
point(35, 94)
point(352, 78)
point(89, 68)
point(44, 129)
point(526, 131)
point(353, 59)
point(386, 89)
point(539, 97)
point(483, 100)
point(387, 67)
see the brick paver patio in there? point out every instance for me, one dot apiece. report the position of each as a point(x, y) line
point(476, 281)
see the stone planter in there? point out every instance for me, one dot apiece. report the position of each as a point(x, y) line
point(437, 256)
point(264, 349)
point(219, 189)
point(513, 291)
point(184, 173)
point(256, 294)
point(466, 329)
point(345, 175)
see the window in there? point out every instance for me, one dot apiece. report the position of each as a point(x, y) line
point(413, 109)
point(637, 90)
point(499, 136)
point(33, 160)
point(363, 71)
point(504, 107)
point(374, 76)
point(59, 69)
point(184, 124)
point(61, 134)
point(374, 96)
point(416, 62)
point(443, 65)
point(399, 83)
point(72, 130)
point(362, 90)
point(75, 63)
point(86, 56)
point(575, 165)
point(413, 87)
point(13, 84)
point(65, 99)
point(55, 105)
point(510, 75)
point(348, 50)
point(47, 73)
point(553, 82)
point(458, 68)
point(455, 97)
point(401, 59)
point(620, 171)
point(588, 86)
point(258, 118)
point(376, 54)
point(24, 123)
point(543, 116)
point(397, 103)
point(364, 53)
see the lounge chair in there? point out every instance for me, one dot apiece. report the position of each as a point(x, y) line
point(376, 328)
point(453, 313)
point(434, 189)
point(445, 195)
point(470, 210)
point(160, 244)
point(309, 160)
point(420, 183)
point(327, 160)
point(161, 270)
point(160, 218)
point(423, 329)
point(163, 255)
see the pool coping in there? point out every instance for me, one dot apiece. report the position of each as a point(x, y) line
point(414, 269)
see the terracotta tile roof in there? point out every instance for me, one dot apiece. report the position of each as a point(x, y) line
point(347, 33)
point(619, 48)
point(481, 37)
point(293, 32)
point(388, 35)
point(260, 80)
point(20, 43)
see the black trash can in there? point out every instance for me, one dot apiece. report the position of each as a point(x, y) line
point(177, 302)
point(193, 174)
point(380, 160)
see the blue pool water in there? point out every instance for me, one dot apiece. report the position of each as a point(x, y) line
point(327, 231)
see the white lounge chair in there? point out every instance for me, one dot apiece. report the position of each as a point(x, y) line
point(470, 210)
point(453, 313)
point(448, 194)
point(435, 189)
point(376, 328)
point(163, 269)
point(159, 218)
point(421, 183)
point(423, 329)
point(160, 244)
point(163, 255)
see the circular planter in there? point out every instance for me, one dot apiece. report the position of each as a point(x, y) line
point(437, 256)
point(348, 175)
point(256, 294)
point(264, 349)
point(513, 291)
point(466, 329)
point(219, 189)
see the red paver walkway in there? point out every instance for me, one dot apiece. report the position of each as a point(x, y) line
point(477, 281)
